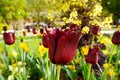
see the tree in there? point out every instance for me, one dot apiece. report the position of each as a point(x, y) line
point(111, 6)
point(37, 9)
point(12, 10)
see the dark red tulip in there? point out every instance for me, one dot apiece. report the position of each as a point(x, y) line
point(34, 31)
point(9, 38)
point(41, 30)
point(92, 56)
point(4, 28)
point(28, 28)
point(74, 27)
point(116, 37)
point(95, 30)
point(49, 25)
point(62, 44)
point(24, 33)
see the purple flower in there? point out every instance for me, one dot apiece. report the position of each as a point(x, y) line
point(95, 30)
point(116, 37)
point(62, 44)
point(9, 38)
point(92, 56)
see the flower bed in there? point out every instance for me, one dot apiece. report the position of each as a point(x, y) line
point(26, 58)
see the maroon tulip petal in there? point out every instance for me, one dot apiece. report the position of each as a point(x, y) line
point(74, 27)
point(45, 40)
point(51, 32)
point(66, 48)
point(52, 48)
point(60, 33)
point(41, 30)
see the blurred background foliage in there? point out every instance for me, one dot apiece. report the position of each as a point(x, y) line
point(13, 10)
point(111, 6)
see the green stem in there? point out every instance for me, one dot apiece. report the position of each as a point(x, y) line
point(99, 68)
point(58, 72)
point(89, 71)
point(117, 58)
point(104, 76)
point(92, 40)
point(47, 68)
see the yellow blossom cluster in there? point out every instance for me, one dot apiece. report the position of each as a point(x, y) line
point(110, 67)
point(16, 68)
point(50, 16)
point(14, 54)
point(106, 40)
point(84, 50)
point(73, 14)
point(106, 23)
point(96, 10)
point(85, 30)
point(74, 11)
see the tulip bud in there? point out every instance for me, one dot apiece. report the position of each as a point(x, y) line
point(41, 30)
point(92, 56)
point(49, 25)
point(28, 28)
point(24, 33)
point(4, 28)
point(95, 30)
point(74, 27)
point(34, 31)
point(116, 37)
point(9, 38)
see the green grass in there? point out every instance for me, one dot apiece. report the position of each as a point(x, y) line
point(32, 42)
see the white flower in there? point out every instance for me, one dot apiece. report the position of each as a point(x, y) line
point(10, 77)
point(10, 68)
point(21, 69)
point(19, 63)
